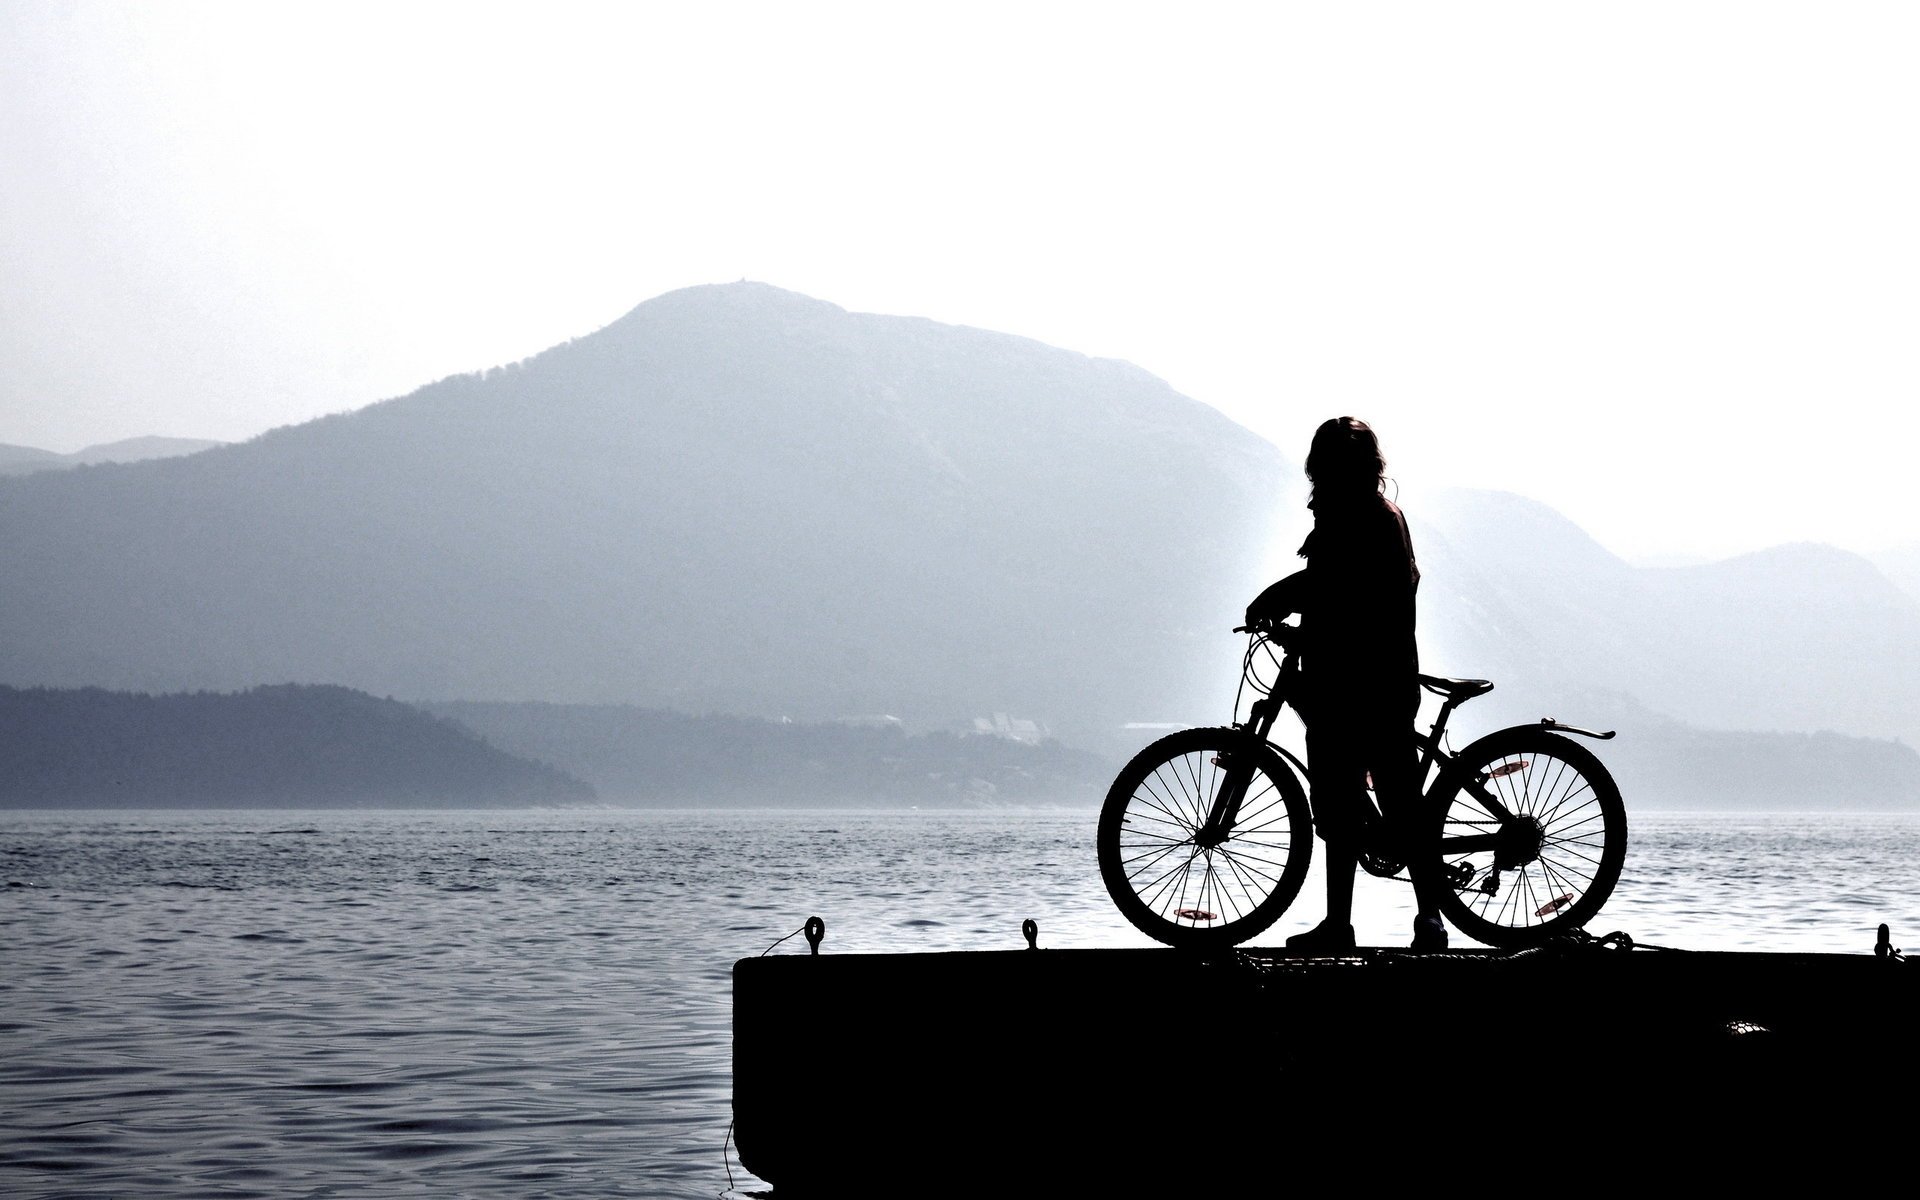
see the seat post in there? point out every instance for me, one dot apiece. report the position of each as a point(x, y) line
point(1447, 705)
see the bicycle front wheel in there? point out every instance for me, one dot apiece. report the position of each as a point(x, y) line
point(1532, 838)
point(1156, 859)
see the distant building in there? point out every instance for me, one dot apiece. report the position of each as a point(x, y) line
point(1018, 729)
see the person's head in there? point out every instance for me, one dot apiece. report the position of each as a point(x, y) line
point(1344, 463)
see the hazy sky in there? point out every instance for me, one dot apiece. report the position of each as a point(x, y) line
point(1655, 264)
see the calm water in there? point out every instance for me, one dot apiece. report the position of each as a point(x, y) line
point(537, 1003)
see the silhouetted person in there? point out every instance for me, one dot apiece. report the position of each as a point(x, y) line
point(1358, 664)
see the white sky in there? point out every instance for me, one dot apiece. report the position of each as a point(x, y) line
point(1654, 264)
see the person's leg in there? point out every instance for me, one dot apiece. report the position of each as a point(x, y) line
point(1395, 764)
point(1342, 863)
point(1338, 785)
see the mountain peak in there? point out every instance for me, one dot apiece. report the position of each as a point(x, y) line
point(720, 301)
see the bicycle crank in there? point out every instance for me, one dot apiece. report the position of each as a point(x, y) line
point(1375, 863)
point(1457, 875)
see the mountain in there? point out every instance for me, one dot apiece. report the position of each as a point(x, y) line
point(1662, 763)
point(22, 460)
point(1795, 638)
point(733, 499)
point(267, 747)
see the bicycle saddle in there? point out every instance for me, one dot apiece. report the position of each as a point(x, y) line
point(1456, 689)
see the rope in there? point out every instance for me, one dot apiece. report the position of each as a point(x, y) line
point(778, 940)
point(1580, 941)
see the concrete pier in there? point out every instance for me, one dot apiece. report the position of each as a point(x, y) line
point(1132, 1072)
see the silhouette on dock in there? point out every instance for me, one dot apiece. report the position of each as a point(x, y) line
point(1206, 835)
point(1359, 689)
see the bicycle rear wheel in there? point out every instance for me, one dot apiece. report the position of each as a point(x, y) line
point(1173, 888)
point(1532, 837)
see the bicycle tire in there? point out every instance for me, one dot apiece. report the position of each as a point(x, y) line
point(1177, 892)
point(1580, 829)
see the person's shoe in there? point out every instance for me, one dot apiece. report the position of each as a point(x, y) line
point(1324, 938)
point(1429, 935)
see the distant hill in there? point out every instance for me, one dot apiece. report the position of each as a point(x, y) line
point(733, 499)
point(1665, 764)
point(1798, 638)
point(267, 747)
point(646, 756)
point(24, 460)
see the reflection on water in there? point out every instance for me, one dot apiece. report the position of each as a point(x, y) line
point(537, 1003)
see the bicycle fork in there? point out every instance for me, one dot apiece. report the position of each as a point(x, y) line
point(1237, 773)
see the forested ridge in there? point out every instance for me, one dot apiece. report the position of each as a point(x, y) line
point(285, 745)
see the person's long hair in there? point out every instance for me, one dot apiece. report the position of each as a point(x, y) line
point(1344, 463)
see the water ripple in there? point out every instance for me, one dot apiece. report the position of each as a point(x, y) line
point(514, 1004)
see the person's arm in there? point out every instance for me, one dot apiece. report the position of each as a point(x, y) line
point(1281, 600)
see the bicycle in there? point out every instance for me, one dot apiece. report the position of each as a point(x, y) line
point(1206, 835)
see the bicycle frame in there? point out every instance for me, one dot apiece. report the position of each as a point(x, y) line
point(1433, 762)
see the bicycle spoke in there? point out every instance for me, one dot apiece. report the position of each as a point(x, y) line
point(1526, 898)
point(1188, 771)
point(1159, 884)
point(1251, 833)
point(1163, 800)
point(1568, 855)
point(1146, 825)
point(1153, 858)
point(1561, 884)
point(1226, 895)
point(1190, 801)
point(1244, 863)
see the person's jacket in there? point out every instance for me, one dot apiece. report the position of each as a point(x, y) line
point(1356, 604)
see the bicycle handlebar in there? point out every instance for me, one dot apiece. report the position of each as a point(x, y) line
point(1277, 631)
